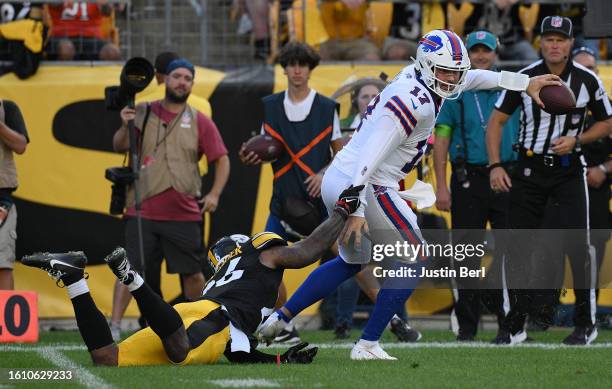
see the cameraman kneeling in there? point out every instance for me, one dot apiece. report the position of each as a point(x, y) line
point(172, 137)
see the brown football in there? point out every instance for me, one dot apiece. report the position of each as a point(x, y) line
point(266, 147)
point(558, 99)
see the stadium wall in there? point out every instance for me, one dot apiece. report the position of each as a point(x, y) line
point(63, 197)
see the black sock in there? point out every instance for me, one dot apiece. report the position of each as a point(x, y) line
point(91, 322)
point(163, 319)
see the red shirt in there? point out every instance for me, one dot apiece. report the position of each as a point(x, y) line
point(80, 19)
point(170, 204)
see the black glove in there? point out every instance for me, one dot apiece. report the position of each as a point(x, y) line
point(296, 355)
point(348, 202)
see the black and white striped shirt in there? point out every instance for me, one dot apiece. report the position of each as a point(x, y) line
point(537, 128)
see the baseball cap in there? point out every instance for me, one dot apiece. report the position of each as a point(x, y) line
point(583, 49)
point(557, 24)
point(481, 38)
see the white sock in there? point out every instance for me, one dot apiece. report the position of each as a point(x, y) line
point(367, 343)
point(78, 288)
point(395, 317)
point(136, 282)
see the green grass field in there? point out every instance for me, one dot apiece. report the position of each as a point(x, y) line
point(437, 361)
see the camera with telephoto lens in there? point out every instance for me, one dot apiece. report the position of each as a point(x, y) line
point(460, 171)
point(135, 76)
point(121, 177)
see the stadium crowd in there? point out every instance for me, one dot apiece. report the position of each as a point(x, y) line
point(494, 172)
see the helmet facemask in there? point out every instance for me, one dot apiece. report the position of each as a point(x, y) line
point(442, 88)
point(442, 50)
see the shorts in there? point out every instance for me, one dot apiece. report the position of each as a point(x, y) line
point(8, 236)
point(86, 48)
point(179, 242)
point(389, 217)
point(207, 328)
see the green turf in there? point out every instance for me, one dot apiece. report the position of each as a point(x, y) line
point(420, 367)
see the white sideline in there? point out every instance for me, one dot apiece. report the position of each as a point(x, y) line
point(394, 345)
point(81, 374)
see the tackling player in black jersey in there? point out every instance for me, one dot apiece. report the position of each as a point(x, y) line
point(239, 296)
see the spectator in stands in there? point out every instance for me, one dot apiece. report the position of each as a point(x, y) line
point(404, 32)
point(77, 33)
point(501, 17)
point(460, 130)
point(22, 35)
point(346, 24)
point(254, 19)
point(176, 136)
point(13, 139)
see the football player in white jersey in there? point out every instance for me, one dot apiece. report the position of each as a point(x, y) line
point(388, 143)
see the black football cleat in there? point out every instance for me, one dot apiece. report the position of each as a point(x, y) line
point(59, 265)
point(581, 336)
point(404, 332)
point(502, 337)
point(119, 264)
point(343, 331)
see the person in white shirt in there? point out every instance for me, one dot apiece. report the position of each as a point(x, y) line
point(390, 141)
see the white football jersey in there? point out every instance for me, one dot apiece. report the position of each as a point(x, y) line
point(413, 112)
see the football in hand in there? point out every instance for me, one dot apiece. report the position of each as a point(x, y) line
point(558, 99)
point(266, 147)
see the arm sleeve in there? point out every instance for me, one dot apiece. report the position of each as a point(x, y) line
point(386, 138)
point(210, 142)
point(487, 79)
point(481, 79)
point(599, 103)
point(14, 119)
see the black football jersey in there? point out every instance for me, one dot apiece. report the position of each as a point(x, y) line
point(245, 287)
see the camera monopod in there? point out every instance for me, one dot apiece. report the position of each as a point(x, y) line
point(136, 74)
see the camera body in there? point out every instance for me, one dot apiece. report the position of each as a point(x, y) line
point(121, 177)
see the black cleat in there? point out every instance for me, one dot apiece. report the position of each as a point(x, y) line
point(343, 331)
point(288, 337)
point(502, 337)
point(59, 265)
point(404, 332)
point(119, 264)
point(465, 337)
point(581, 336)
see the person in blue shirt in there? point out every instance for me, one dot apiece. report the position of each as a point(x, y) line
point(460, 133)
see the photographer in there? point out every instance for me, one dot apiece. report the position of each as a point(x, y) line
point(460, 131)
point(173, 136)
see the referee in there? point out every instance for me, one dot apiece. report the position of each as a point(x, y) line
point(550, 168)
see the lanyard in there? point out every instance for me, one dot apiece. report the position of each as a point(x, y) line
point(480, 115)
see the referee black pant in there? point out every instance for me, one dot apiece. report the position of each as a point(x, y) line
point(535, 259)
point(473, 205)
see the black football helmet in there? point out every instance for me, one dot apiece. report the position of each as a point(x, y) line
point(223, 247)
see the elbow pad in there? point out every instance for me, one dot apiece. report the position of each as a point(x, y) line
point(513, 81)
